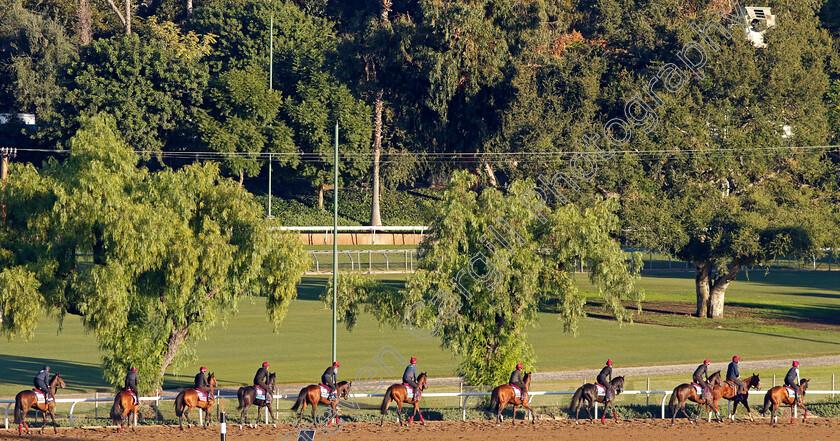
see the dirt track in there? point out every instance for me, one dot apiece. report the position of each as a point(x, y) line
point(813, 429)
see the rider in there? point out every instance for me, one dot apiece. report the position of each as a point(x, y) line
point(410, 375)
point(605, 377)
point(329, 378)
point(516, 380)
point(260, 378)
point(131, 382)
point(792, 380)
point(201, 381)
point(699, 373)
point(732, 374)
point(42, 380)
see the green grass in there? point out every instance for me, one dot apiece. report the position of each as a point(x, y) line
point(300, 352)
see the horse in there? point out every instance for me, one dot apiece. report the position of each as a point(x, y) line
point(26, 400)
point(397, 393)
point(312, 395)
point(685, 392)
point(730, 392)
point(777, 396)
point(589, 393)
point(188, 398)
point(247, 396)
point(504, 395)
point(123, 407)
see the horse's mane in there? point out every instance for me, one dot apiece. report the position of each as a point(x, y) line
point(342, 383)
point(422, 374)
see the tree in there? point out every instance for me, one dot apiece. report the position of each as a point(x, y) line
point(152, 87)
point(488, 263)
point(171, 252)
point(727, 178)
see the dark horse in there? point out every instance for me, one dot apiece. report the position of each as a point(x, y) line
point(729, 391)
point(248, 395)
point(777, 396)
point(397, 393)
point(504, 395)
point(26, 399)
point(188, 398)
point(685, 392)
point(312, 395)
point(123, 407)
point(589, 393)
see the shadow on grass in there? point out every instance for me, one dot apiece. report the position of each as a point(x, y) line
point(826, 314)
point(19, 370)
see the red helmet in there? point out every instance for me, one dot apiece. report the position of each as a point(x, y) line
point(706, 361)
point(203, 369)
point(335, 363)
point(609, 362)
point(795, 364)
point(736, 358)
point(413, 360)
point(519, 366)
point(265, 364)
point(133, 369)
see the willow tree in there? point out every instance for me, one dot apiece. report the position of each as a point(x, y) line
point(149, 260)
point(489, 261)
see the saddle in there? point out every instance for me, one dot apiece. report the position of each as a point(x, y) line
point(133, 396)
point(517, 392)
point(202, 396)
point(410, 391)
point(260, 395)
point(41, 397)
point(325, 390)
point(602, 391)
point(791, 393)
point(697, 388)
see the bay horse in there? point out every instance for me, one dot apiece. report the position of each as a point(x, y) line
point(397, 393)
point(188, 398)
point(26, 400)
point(247, 396)
point(777, 396)
point(729, 391)
point(123, 407)
point(312, 395)
point(685, 392)
point(589, 393)
point(504, 395)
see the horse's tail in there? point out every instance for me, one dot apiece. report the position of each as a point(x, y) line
point(179, 404)
point(494, 401)
point(300, 399)
point(386, 401)
point(116, 409)
point(576, 399)
point(240, 395)
point(766, 402)
point(672, 404)
point(18, 410)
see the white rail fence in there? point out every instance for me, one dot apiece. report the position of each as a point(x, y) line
point(465, 395)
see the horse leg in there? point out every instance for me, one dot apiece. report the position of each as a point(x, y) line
point(513, 421)
point(55, 425)
point(399, 411)
point(589, 409)
point(417, 409)
point(499, 414)
point(530, 411)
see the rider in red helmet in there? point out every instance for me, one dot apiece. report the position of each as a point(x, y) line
point(201, 381)
point(260, 378)
point(734, 375)
point(792, 380)
point(131, 382)
point(605, 378)
point(698, 377)
point(330, 377)
point(516, 380)
point(410, 375)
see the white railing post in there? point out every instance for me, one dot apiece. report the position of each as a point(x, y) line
point(73, 407)
point(7, 414)
point(596, 410)
point(664, 397)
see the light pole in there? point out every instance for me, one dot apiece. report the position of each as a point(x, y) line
point(335, 240)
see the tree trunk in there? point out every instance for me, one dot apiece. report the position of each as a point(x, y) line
point(176, 337)
point(375, 219)
point(719, 289)
point(241, 176)
point(384, 10)
point(702, 283)
point(83, 22)
point(127, 17)
point(321, 196)
point(491, 177)
point(189, 8)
